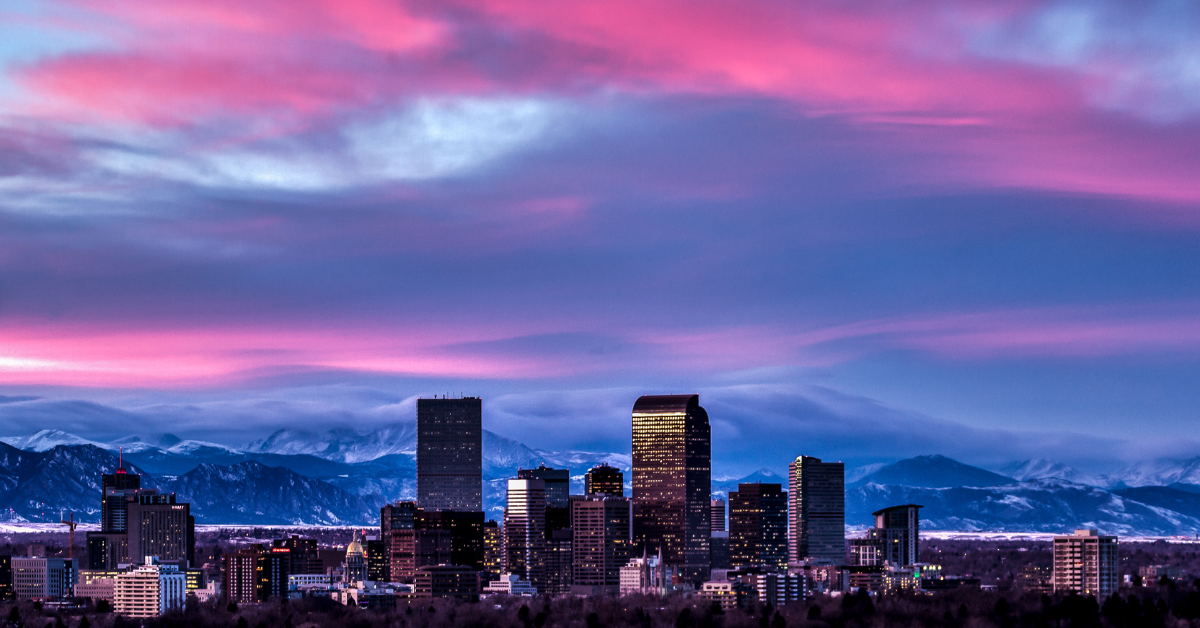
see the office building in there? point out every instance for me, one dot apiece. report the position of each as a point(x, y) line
point(718, 550)
point(447, 581)
point(149, 590)
point(450, 454)
point(493, 547)
point(716, 511)
point(672, 481)
point(898, 529)
point(41, 578)
point(558, 483)
point(377, 561)
point(410, 549)
point(304, 554)
point(525, 531)
point(256, 574)
point(116, 488)
point(466, 534)
point(6, 578)
point(97, 585)
point(1086, 563)
point(604, 480)
point(817, 511)
point(159, 526)
point(560, 561)
point(758, 526)
point(601, 542)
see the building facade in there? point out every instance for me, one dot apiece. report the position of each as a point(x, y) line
point(450, 454)
point(1086, 563)
point(898, 528)
point(758, 526)
point(672, 470)
point(525, 531)
point(604, 480)
point(41, 578)
point(558, 483)
point(448, 581)
point(149, 590)
point(602, 544)
point(716, 509)
point(816, 511)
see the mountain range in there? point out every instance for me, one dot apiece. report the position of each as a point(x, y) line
point(342, 477)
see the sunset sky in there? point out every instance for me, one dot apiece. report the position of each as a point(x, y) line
point(862, 231)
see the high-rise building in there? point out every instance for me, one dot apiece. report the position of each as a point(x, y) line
point(558, 483)
point(898, 529)
point(1086, 562)
point(672, 470)
point(601, 542)
point(719, 550)
point(466, 534)
point(304, 554)
point(149, 590)
point(159, 526)
point(115, 488)
point(493, 548)
point(410, 549)
point(560, 561)
point(450, 454)
point(378, 564)
point(716, 509)
point(6, 578)
point(604, 480)
point(758, 526)
point(525, 531)
point(256, 574)
point(817, 511)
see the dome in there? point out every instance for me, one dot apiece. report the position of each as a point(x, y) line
point(355, 548)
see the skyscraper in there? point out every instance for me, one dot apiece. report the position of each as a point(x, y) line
point(898, 529)
point(672, 481)
point(604, 480)
point(817, 510)
point(558, 483)
point(450, 454)
point(160, 526)
point(601, 530)
point(716, 508)
point(758, 526)
point(525, 531)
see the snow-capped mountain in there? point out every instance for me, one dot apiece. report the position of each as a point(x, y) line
point(45, 440)
point(933, 472)
point(1159, 473)
point(341, 444)
point(1042, 469)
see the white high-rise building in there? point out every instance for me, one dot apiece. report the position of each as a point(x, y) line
point(149, 590)
point(525, 531)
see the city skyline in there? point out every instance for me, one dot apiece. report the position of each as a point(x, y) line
point(911, 231)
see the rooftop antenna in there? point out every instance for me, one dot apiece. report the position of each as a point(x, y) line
point(121, 454)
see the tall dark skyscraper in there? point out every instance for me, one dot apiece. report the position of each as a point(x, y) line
point(136, 522)
point(450, 454)
point(758, 526)
point(672, 472)
point(817, 510)
point(604, 480)
point(601, 548)
point(558, 483)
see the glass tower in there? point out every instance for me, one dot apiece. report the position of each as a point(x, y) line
point(450, 454)
point(817, 511)
point(672, 472)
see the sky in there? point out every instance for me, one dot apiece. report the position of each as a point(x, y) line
point(860, 232)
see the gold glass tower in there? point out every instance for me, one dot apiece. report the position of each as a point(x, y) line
point(672, 471)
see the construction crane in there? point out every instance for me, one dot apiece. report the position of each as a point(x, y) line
point(71, 523)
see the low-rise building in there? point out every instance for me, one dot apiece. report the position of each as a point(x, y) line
point(510, 584)
point(729, 594)
point(41, 578)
